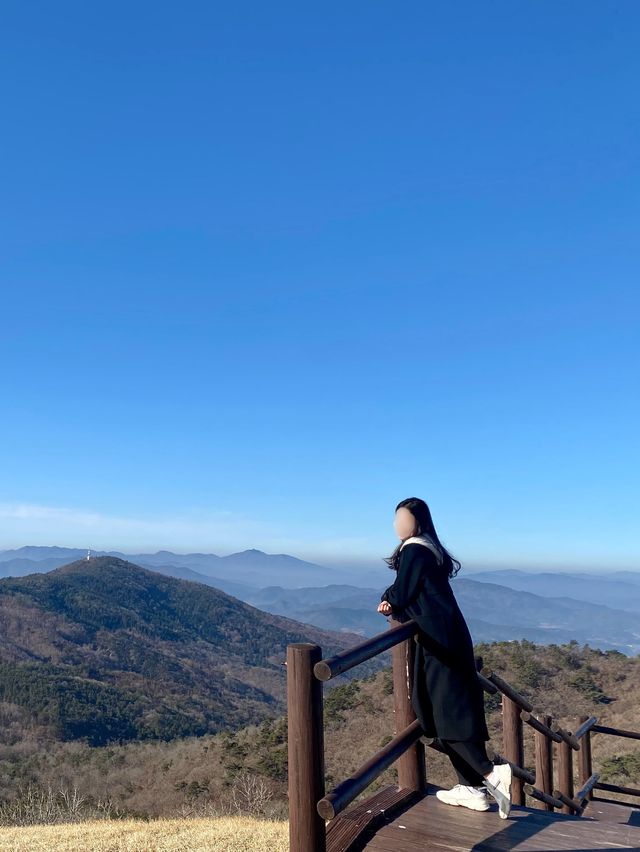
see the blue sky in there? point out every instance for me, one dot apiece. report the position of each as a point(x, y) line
point(267, 269)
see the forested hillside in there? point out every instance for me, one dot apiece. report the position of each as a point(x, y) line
point(106, 651)
point(249, 765)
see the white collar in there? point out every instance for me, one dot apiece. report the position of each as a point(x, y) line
point(425, 539)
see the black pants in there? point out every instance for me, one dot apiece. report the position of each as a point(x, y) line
point(469, 760)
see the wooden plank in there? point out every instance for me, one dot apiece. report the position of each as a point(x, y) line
point(350, 830)
point(515, 833)
point(615, 812)
point(481, 835)
point(388, 822)
point(431, 824)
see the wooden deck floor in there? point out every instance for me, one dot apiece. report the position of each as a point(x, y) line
point(429, 824)
point(616, 812)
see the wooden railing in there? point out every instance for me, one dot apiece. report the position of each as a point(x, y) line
point(310, 805)
point(615, 788)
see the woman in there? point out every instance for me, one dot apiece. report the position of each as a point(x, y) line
point(447, 696)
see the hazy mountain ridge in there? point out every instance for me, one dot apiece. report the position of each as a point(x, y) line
point(600, 609)
point(619, 590)
point(249, 568)
point(493, 612)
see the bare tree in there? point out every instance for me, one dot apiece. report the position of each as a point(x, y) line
point(250, 794)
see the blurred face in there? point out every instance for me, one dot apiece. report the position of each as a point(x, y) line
point(404, 523)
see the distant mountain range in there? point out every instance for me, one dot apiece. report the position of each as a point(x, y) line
point(602, 610)
point(493, 613)
point(248, 568)
point(617, 589)
point(105, 650)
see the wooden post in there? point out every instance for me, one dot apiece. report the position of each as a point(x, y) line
point(544, 762)
point(305, 737)
point(411, 764)
point(565, 772)
point(513, 744)
point(585, 768)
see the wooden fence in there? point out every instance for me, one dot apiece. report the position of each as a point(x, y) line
point(311, 807)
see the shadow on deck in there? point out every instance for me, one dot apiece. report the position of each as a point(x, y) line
point(395, 820)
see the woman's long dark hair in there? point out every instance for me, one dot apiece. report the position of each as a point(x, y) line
point(421, 513)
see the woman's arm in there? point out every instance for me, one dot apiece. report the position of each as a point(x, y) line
point(414, 559)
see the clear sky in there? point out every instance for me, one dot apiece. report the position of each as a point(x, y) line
point(269, 268)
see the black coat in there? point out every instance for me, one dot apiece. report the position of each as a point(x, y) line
point(447, 696)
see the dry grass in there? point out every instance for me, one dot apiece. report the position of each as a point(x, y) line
point(223, 834)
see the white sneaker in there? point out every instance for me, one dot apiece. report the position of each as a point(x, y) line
point(468, 797)
point(501, 792)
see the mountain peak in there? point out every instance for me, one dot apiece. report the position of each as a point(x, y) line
point(97, 563)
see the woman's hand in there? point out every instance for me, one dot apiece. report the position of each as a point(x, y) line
point(384, 607)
